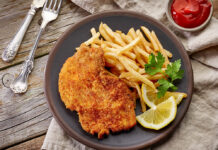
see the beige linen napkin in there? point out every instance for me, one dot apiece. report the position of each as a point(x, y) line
point(199, 128)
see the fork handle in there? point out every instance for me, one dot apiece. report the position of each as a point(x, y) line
point(22, 78)
point(11, 50)
point(29, 62)
point(42, 28)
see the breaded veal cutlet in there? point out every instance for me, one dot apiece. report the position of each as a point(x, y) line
point(104, 102)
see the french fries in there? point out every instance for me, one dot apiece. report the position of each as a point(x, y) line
point(127, 54)
point(148, 34)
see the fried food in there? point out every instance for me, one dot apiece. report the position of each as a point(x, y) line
point(103, 102)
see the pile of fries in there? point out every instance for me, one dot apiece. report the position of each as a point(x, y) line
point(127, 54)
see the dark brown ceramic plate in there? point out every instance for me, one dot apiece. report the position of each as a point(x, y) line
point(137, 137)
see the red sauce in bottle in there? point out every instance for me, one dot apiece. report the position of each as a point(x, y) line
point(190, 13)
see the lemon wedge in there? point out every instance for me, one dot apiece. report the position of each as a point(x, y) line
point(150, 96)
point(159, 116)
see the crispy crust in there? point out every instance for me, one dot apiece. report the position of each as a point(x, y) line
point(103, 102)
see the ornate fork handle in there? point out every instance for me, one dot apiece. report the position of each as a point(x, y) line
point(20, 84)
point(11, 50)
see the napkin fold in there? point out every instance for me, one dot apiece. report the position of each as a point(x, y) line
point(198, 130)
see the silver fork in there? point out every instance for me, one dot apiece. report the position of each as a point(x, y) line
point(49, 13)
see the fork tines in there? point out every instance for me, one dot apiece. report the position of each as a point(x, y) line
point(53, 5)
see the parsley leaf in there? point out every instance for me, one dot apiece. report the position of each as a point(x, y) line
point(164, 86)
point(173, 70)
point(154, 63)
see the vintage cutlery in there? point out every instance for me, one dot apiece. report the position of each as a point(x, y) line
point(49, 13)
point(11, 50)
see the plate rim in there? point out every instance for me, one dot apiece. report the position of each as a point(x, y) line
point(86, 19)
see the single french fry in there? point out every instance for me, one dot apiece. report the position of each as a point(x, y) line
point(108, 49)
point(128, 76)
point(132, 33)
point(144, 41)
point(92, 39)
point(118, 35)
point(169, 54)
point(119, 66)
point(111, 55)
point(124, 37)
point(118, 31)
point(130, 55)
point(143, 106)
point(129, 38)
point(130, 60)
point(156, 39)
point(93, 45)
point(113, 45)
point(110, 62)
point(140, 61)
point(155, 77)
point(112, 34)
point(113, 63)
point(98, 42)
point(125, 75)
point(136, 74)
point(148, 34)
point(93, 31)
point(104, 34)
point(114, 75)
point(104, 46)
point(129, 83)
point(129, 46)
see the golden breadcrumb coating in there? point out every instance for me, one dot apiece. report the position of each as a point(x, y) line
point(103, 102)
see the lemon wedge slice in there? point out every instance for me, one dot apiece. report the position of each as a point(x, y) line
point(150, 96)
point(159, 116)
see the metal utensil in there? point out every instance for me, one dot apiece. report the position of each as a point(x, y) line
point(11, 50)
point(49, 13)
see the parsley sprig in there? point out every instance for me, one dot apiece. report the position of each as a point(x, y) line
point(172, 73)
